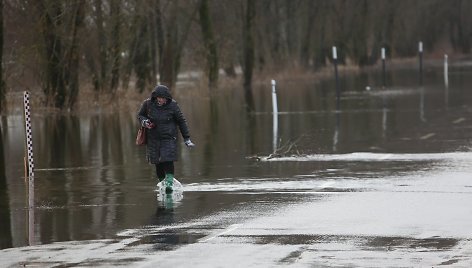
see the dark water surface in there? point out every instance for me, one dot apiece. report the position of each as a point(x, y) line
point(93, 182)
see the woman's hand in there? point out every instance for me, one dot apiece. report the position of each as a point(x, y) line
point(189, 143)
point(147, 124)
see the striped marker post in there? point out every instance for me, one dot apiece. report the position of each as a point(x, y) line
point(29, 152)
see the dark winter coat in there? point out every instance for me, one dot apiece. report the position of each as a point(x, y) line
point(162, 139)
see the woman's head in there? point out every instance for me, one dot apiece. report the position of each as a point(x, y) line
point(161, 94)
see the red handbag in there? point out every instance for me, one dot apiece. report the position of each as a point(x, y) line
point(141, 137)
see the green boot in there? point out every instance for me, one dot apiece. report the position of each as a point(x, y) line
point(169, 182)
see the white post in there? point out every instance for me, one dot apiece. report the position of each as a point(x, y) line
point(338, 93)
point(29, 151)
point(420, 53)
point(446, 75)
point(275, 113)
point(383, 67)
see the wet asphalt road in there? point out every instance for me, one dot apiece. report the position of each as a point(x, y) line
point(411, 219)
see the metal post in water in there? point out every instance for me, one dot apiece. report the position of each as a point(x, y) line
point(420, 53)
point(383, 67)
point(29, 158)
point(338, 94)
point(275, 114)
point(446, 71)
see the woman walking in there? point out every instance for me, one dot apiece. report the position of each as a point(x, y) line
point(161, 116)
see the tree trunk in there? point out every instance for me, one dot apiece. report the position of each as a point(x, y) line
point(90, 62)
point(167, 44)
point(141, 55)
point(167, 68)
point(181, 39)
point(305, 51)
point(210, 44)
point(54, 82)
point(320, 47)
point(248, 50)
point(159, 36)
point(72, 68)
point(2, 83)
point(102, 47)
point(61, 50)
point(176, 34)
point(464, 27)
point(104, 62)
point(153, 47)
point(248, 42)
point(359, 32)
point(115, 56)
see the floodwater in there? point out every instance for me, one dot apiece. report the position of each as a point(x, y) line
point(385, 181)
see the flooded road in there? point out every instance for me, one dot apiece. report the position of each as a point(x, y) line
point(386, 181)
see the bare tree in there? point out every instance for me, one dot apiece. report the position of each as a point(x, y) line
point(60, 25)
point(141, 47)
point(310, 13)
point(176, 26)
point(115, 44)
point(248, 50)
point(2, 83)
point(210, 43)
point(460, 27)
point(147, 41)
point(102, 50)
point(51, 20)
point(101, 75)
point(359, 34)
point(71, 68)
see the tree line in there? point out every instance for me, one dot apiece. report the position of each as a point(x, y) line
point(62, 47)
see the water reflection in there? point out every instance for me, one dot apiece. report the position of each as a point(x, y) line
point(249, 98)
point(168, 239)
point(336, 134)
point(421, 109)
point(77, 179)
point(5, 230)
point(446, 96)
point(384, 116)
point(164, 211)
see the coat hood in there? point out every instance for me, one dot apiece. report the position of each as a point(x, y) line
point(161, 91)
